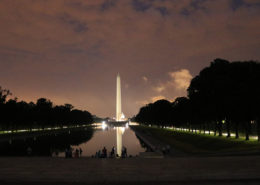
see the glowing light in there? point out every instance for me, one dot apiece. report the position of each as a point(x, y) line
point(253, 137)
point(122, 116)
point(122, 129)
point(104, 125)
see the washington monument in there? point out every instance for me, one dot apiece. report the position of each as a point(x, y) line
point(118, 99)
point(119, 130)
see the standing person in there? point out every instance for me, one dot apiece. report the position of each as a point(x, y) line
point(29, 151)
point(163, 150)
point(66, 153)
point(104, 151)
point(122, 152)
point(70, 152)
point(56, 153)
point(80, 152)
point(125, 152)
point(168, 149)
point(77, 153)
point(112, 154)
point(99, 154)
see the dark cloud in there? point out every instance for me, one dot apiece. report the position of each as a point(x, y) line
point(185, 12)
point(107, 4)
point(235, 4)
point(77, 25)
point(163, 10)
point(197, 4)
point(141, 5)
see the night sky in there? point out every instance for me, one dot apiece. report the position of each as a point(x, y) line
point(70, 51)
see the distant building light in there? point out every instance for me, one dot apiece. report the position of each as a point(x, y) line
point(104, 125)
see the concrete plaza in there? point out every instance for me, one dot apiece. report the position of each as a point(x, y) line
point(175, 170)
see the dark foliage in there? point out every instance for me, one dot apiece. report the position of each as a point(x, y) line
point(223, 95)
point(22, 115)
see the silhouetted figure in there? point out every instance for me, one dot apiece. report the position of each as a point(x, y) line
point(99, 154)
point(163, 150)
point(104, 152)
point(56, 153)
point(112, 153)
point(69, 152)
point(124, 152)
point(168, 149)
point(29, 151)
point(66, 153)
point(80, 152)
point(76, 153)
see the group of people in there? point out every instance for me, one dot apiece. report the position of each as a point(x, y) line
point(76, 153)
point(69, 152)
point(166, 149)
point(104, 154)
point(101, 153)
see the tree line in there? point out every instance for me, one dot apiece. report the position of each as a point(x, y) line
point(16, 114)
point(223, 96)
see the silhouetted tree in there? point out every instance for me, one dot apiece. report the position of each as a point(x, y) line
point(16, 114)
point(225, 95)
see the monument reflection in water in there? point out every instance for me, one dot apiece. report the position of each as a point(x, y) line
point(109, 135)
point(120, 118)
point(119, 133)
point(120, 129)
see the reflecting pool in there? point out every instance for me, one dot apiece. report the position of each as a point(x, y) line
point(54, 143)
point(108, 137)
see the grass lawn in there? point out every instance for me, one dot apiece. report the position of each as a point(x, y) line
point(197, 143)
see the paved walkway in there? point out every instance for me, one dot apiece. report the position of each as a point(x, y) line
point(179, 170)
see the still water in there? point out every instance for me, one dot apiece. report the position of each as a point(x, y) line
point(54, 143)
point(107, 137)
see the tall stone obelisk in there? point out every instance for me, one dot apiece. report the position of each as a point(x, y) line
point(118, 99)
point(118, 116)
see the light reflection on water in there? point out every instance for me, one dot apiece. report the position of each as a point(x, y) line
point(107, 138)
point(55, 142)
